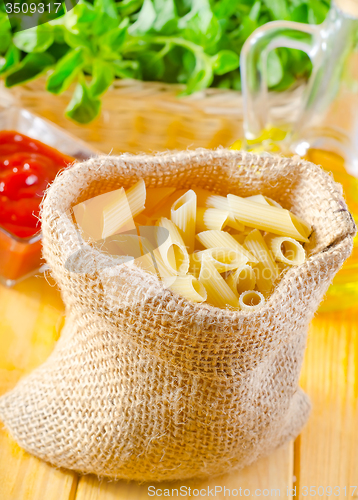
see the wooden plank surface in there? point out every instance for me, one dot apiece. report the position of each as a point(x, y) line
point(31, 317)
point(274, 472)
point(326, 453)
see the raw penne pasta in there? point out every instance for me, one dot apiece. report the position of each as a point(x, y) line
point(156, 197)
point(221, 239)
point(256, 244)
point(266, 270)
point(152, 261)
point(240, 237)
point(304, 226)
point(136, 196)
point(147, 260)
point(286, 250)
point(210, 218)
point(242, 279)
point(117, 216)
point(104, 215)
point(166, 273)
point(221, 203)
point(164, 209)
point(188, 287)
point(183, 214)
point(202, 195)
point(260, 198)
point(173, 250)
point(267, 218)
point(251, 300)
point(224, 259)
point(219, 293)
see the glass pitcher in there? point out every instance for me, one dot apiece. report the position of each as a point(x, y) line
point(325, 129)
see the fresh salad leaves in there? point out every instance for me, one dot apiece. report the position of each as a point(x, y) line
point(194, 42)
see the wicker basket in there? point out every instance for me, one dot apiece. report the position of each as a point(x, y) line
point(148, 116)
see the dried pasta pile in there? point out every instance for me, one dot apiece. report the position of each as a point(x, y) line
point(227, 251)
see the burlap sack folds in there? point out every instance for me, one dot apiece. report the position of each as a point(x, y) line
point(145, 385)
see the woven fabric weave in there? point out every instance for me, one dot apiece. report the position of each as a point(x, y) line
point(145, 385)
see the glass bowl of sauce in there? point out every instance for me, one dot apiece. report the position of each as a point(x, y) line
point(27, 167)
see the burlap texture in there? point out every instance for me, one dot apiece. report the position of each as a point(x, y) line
point(144, 384)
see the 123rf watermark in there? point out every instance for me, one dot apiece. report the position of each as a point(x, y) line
point(223, 491)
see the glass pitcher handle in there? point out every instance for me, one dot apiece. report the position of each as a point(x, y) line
point(253, 64)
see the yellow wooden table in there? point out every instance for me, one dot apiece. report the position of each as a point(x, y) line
point(325, 454)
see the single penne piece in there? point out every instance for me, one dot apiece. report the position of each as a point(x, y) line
point(219, 293)
point(164, 209)
point(260, 198)
point(104, 215)
point(266, 270)
point(171, 247)
point(165, 273)
point(267, 218)
point(224, 259)
point(256, 244)
point(221, 203)
point(188, 287)
point(136, 196)
point(156, 197)
point(251, 300)
point(117, 216)
point(210, 218)
point(240, 237)
point(286, 250)
point(152, 261)
point(264, 281)
point(183, 214)
point(242, 279)
point(305, 227)
point(147, 260)
point(201, 195)
point(222, 239)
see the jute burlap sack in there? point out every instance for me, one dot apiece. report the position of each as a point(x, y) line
point(145, 385)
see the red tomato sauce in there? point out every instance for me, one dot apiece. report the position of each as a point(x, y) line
point(27, 166)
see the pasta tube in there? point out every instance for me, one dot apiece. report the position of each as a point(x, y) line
point(242, 279)
point(267, 270)
point(183, 214)
point(305, 228)
point(151, 261)
point(260, 198)
point(164, 209)
point(221, 203)
point(188, 287)
point(268, 218)
point(172, 250)
point(286, 250)
point(212, 239)
point(219, 293)
point(251, 300)
point(210, 218)
point(104, 215)
point(224, 259)
point(136, 197)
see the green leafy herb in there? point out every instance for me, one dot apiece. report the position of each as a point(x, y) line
point(83, 107)
point(194, 42)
